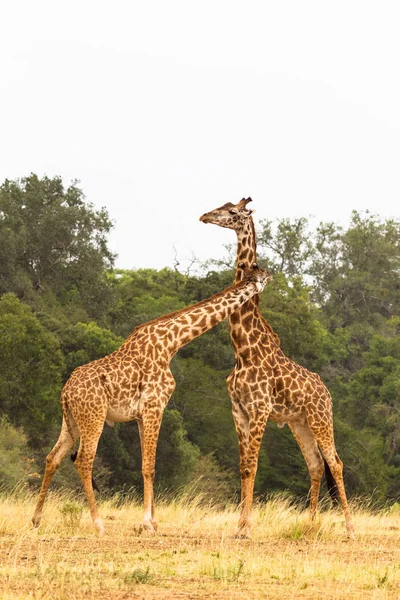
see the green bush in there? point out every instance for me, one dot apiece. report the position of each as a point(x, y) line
point(15, 461)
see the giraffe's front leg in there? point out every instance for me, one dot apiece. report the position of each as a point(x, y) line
point(149, 429)
point(250, 429)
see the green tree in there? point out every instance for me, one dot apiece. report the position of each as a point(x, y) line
point(143, 295)
point(371, 399)
point(202, 399)
point(15, 461)
point(119, 450)
point(84, 342)
point(287, 306)
point(288, 245)
point(31, 369)
point(53, 243)
point(356, 272)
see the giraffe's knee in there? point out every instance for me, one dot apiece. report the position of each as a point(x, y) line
point(149, 473)
point(248, 471)
point(84, 464)
point(316, 467)
point(338, 462)
point(52, 463)
point(335, 464)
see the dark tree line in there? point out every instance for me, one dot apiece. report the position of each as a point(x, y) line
point(334, 301)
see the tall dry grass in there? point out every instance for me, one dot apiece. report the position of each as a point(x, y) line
point(195, 554)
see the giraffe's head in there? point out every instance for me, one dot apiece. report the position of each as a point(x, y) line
point(232, 216)
point(258, 275)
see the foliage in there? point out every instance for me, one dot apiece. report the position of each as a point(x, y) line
point(143, 295)
point(71, 513)
point(52, 242)
point(83, 342)
point(31, 366)
point(15, 461)
point(334, 302)
point(176, 455)
point(120, 451)
point(202, 399)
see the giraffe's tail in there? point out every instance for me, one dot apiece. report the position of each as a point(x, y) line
point(69, 419)
point(331, 484)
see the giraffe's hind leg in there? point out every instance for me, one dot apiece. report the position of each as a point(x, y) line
point(53, 461)
point(324, 437)
point(309, 448)
point(84, 464)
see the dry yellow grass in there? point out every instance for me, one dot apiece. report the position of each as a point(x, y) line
point(195, 554)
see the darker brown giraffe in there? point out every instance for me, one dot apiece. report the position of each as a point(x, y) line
point(266, 384)
point(135, 382)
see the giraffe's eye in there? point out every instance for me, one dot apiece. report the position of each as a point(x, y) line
point(233, 211)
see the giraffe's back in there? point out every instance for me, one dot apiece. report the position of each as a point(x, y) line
point(274, 384)
point(108, 388)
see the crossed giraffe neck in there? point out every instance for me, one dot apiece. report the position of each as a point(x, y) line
point(135, 383)
point(266, 384)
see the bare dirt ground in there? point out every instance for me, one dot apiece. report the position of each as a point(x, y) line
point(195, 555)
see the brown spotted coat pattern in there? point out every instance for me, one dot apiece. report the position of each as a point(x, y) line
point(135, 382)
point(266, 384)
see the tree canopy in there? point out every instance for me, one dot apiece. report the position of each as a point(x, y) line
point(334, 301)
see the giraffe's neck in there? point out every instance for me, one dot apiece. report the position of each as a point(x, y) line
point(247, 248)
point(247, 325)
point(179, 328)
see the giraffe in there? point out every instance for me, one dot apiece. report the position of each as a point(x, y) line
point(266, 384)
point(135, 383)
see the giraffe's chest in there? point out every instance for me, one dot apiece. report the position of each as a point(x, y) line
point(123, 394)
point(269, 392)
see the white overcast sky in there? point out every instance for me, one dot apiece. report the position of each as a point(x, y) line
point(165, 110)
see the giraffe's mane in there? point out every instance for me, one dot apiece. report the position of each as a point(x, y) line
point(256, 300)
point(264, 323)
point(182, 311)
point(253, 228)
point(272, 332)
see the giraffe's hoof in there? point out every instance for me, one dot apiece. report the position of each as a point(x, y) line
point(241, 535)
point(155, 524)
point(98, 523)
point(36, 521)
point(150, 527)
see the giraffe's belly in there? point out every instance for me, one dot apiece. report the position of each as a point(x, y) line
point(123, 412)
point(282, 414)
point(115, 416)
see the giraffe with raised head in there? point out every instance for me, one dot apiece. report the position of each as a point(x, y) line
point(266, 384)
point(135, 383)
